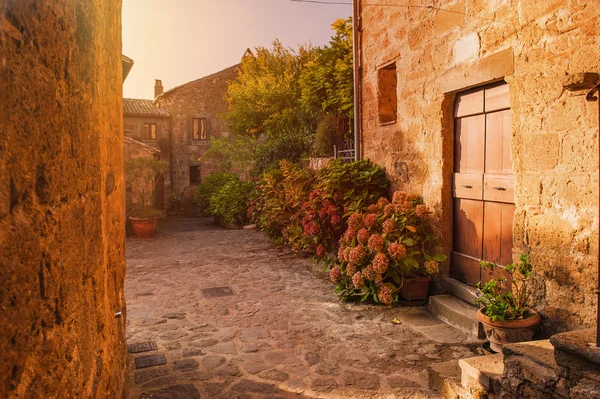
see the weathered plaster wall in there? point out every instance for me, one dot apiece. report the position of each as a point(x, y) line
point(133, 126)
point(532, 45)
point(202, 98)
point(62, 258)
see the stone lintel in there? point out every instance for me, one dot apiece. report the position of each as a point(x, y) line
point(484, 70)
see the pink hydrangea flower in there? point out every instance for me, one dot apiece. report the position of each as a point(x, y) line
point(335, 275)
point(340, 253)
point(357, 254)
point(389, 209)
point(369, 273)
point(370, 220)
point(380, 263)
point(421, 211)
point(388, 226)
point(396, 251)
point(382, 202)
point(399, 197)
point(321, 251)
point(372, 208)
point(363, 236)
point(358, 280)
point(385, 295)
point(350, 234)
point(322, 212)
point(432, 266)
point(331, 210)
point(351, 269)
point(376, 243)
point(335, 220)
point(355, 221)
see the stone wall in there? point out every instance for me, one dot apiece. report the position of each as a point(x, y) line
point(202, 98)
point(533, 45)
point(133, 127)
point(62, 260)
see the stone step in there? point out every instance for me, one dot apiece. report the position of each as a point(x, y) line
point(444, 378)
point(477, 372)
point(457, 313)
point(463, 291)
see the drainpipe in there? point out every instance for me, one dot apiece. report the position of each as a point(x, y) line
point(356, 28)
point(590, 97)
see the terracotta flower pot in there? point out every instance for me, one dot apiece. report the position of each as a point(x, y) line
point(508, 331)
point(415, 288)
point(143, 227)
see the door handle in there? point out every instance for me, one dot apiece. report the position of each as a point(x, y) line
point(500, 188)
point(467, 186)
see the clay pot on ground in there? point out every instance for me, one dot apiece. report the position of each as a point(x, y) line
point(504, 332)
point(143, 227)
point(415, 288)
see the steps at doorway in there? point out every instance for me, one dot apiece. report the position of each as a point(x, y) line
point(462, 291)
point(457, 313)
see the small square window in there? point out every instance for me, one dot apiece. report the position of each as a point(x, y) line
point(387, 82)
point(149, 131)
point(199, 129)
point(195, 174)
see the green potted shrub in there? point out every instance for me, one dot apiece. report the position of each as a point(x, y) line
point(505, 314)
point(142, 175)
point(387, 252)
point(229, 203)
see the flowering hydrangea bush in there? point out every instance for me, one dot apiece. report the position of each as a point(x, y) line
point(384, 245)
point(341, 189)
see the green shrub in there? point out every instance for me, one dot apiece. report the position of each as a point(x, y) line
point(229, 201)
point(278, 197)
point(211, 185)
point(293, 145)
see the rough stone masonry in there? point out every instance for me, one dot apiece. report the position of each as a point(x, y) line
point(61, 200)
point(533, 46)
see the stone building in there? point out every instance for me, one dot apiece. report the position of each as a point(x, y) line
point(466, 103)
point(147, 134)
point(62, 244)
point(180, 123)
point(195, 110)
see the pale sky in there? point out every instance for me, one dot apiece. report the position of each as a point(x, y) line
point(183, 40)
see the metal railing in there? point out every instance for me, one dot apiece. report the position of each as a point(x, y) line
point(347, 151)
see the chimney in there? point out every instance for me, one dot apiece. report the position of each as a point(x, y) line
point(158, 88)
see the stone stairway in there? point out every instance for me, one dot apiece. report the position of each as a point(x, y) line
point(458, 306)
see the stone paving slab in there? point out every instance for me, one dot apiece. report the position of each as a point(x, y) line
point(283, 334)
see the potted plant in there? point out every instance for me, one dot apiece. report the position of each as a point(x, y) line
point(142, 175)
point(505, 315)
point(387, 252)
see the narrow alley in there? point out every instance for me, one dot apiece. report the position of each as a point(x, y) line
point(278, 332)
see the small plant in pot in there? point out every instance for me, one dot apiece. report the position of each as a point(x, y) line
point(142, 175)
point(505, 315)
point(387, 252)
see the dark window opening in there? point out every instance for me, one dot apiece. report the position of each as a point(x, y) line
point(149, 131)
point(194, 174)
point(199, 129)
point(387, 82)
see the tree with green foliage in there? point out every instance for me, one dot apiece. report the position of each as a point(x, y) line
point(265, 96)
point(233, 154)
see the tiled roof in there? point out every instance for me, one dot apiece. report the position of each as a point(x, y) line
point(174, 89)
point(135, 107)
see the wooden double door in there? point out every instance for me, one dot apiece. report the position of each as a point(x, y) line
point(483, 190)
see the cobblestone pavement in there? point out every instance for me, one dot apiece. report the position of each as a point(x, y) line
point(282, 334)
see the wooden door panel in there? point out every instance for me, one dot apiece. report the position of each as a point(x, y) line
point(499, 188)
point(465, 268)
point(468, 227)
point(497, 236)
point(469, 144)
point(468, 185)
point(468, 103)
point(497, 97)
point(497, 142)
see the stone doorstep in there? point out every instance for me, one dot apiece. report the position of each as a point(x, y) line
point(477, 371)
point(457, 313)
point(461, 290)
point(444, 378)
point(540, 352)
